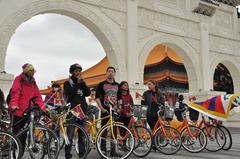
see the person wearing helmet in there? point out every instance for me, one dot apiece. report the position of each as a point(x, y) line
point(75, 92)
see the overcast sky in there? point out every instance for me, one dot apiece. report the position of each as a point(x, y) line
point(52, 42)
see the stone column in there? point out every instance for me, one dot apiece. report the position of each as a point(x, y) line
point(207, 82)
point(132, 42)
point(132, 51)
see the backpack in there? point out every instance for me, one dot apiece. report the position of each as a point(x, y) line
point(8, 99)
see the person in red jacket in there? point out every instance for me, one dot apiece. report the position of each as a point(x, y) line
point(23, 89)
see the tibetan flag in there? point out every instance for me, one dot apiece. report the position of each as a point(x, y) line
point(217, 107)
point(78, 112)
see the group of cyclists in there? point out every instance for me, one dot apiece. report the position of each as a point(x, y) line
point(75, 91)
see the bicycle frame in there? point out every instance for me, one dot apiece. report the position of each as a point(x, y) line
point(61, 119)
point(92, 125)
point(185, 124)
point(159, 125)
point(132, 126)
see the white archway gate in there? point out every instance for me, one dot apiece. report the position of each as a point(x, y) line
point(129, 29)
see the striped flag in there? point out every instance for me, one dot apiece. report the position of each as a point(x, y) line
point(217, 107)
point(78, 112)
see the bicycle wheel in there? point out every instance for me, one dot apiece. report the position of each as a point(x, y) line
point(44, 141)
point(168, 140)
point(10, 146)
point(77, 139)
point(143, 141)
point(228, 144)
point(193, 139)
point(216, 138)
point(115, 141)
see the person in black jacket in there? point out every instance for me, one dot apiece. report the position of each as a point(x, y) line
point(152, 98)
point(75, 91)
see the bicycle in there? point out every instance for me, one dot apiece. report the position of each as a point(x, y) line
point(10, 145)
point(166, 138)
point(142, 135)
point(109, 136)
point(59, 123)
point(216, 138)
point(39, 139)
point(193, 138)
point(228, 144)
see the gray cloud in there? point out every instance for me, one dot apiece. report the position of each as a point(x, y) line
point(52, 43)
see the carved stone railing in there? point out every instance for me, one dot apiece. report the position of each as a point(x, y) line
point(206, 7)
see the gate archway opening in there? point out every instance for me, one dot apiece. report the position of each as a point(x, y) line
point(52, 42)
point(166, 67)
point(222, 79)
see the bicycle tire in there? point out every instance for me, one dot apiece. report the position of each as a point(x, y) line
point(106, 133)
point(75, 139)
point(38, 129)
point(228, 144)
point(14, 142)
point(173, 140)
point(186, 137)
point(140, 140)
point(215, 140)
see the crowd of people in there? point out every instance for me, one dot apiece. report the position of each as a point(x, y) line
point(75, 91)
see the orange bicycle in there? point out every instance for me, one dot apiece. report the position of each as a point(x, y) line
point(216, 138)
point(166, 138)
point(142, 135)
point(193, 138)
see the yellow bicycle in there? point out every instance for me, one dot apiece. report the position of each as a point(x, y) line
point(111, 140)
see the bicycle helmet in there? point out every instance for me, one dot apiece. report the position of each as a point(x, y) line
point(74, 67)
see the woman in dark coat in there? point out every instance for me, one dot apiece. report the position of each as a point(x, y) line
point(152, 98)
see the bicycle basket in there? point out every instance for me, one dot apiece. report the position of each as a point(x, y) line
point(168, 113)
point(140, 111)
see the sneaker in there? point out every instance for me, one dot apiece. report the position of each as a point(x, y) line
point(154, 148)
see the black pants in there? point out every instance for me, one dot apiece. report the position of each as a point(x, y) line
point(18, 125)
point(151, 120)
point(81, 140)
point(125, 120)
point(103, 142)
point(104, 122)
